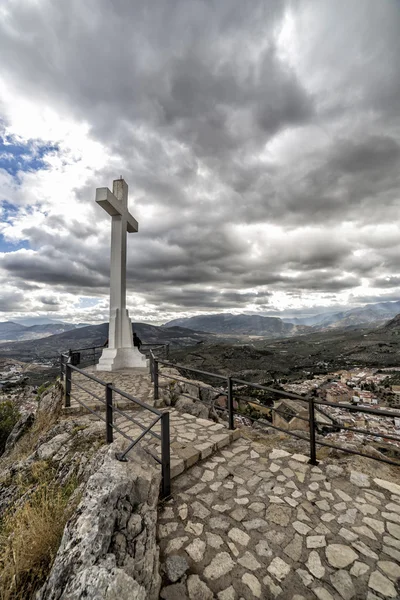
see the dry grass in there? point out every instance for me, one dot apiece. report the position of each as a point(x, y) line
point(28, 442)
point(31, 534)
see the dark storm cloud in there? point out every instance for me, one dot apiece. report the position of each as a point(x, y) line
point(201, 298)
point(61, 271)
point(387, 282)
point(194, 100)
point(11, 301)
point(49, 302)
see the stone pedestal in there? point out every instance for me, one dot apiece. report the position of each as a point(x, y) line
point(121, 353)
point(113, 359)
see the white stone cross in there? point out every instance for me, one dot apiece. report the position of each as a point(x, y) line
point(121, 352)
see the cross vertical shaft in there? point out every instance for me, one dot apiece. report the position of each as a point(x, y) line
point(121, 352)
point(118, 262)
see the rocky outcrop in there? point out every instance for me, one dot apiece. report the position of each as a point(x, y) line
point(190, 396)
point(19, 429)
point(109, 547)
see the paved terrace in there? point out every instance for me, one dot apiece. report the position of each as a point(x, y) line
point(254, 523)
point(192, 439)
point(249, 522)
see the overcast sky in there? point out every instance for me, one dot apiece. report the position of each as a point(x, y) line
point(260, 141)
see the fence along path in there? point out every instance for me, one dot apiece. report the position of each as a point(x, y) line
point(191, 439)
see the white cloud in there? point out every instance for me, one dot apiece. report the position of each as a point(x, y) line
point(261, 146)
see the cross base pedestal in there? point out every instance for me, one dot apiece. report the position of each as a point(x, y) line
point(113, 359)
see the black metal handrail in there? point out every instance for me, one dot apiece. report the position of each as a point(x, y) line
point(312, 403)
point(161, 416)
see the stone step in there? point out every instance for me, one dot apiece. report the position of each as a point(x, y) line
point(192, 439)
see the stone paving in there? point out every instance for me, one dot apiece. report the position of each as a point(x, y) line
point(250, 523)
point(134, 382)
point(247, 522)
point(192, 439)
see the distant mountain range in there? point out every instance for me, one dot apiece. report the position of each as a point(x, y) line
point(228, 324)
point(51, 346)
point(392, 326)
point(368, 314)
point(10, 331)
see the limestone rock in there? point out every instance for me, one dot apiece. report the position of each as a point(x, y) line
point(393, 488)
point(91, 557)
point(175, 567)
point(239, 536)
point(294, 548)
point(19, 429)
point(390, 568)
point(382, 585)
point(358, 569)
point(177, 591)
point(252, 582)
point(322, 594)
point(342, 582)
point(196, 550)
point(272, 586)
point(314, 565)
point(221, 564)
point(227, 594)
point(279, 568)
point(263, 549)
point(197, 409)
point(340, 556)
point(197, 589)
point(249, 562)
point(103, 582)
point(359, 479)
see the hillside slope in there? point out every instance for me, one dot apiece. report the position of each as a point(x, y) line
point(228, 324)
point(95, 335)
point(368, 314)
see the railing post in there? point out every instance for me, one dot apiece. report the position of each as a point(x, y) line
point(151, 367)
point(155, 378)
point(109, 414)
point(313, 451)
point(68, 377)
point(230, 404)
point(165, 456)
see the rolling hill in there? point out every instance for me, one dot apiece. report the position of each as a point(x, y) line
point(10, 331)
point(228, 324)
point(364, 315)
point(50, 347)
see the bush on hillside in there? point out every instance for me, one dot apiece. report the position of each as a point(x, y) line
point(9, 415)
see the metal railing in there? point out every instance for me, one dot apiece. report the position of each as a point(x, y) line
point(312, 403)
point(148, 347)
point(67, 369)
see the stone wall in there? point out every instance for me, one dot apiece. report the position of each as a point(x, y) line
point(109, 548)
point(188, 395)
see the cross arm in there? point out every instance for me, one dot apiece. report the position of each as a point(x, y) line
point(106, 199)
point(132, 225)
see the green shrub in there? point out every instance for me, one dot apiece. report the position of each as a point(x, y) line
point(9, 415)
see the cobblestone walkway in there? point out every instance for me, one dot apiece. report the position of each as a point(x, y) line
point(137, 383)
point(192, 439)
point(253, 523)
